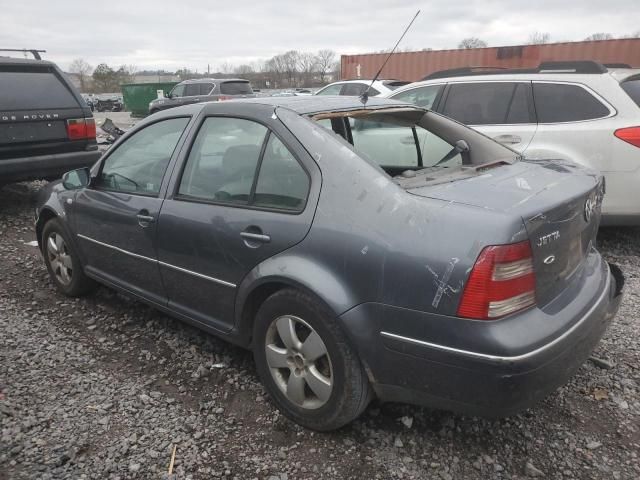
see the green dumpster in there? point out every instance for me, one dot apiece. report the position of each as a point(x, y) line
point(138, 95)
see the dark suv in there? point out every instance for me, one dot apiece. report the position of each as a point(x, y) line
point(46, 128)
point(203, 90)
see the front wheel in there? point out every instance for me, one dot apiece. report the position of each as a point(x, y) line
point(62, 261)
point(303, 358)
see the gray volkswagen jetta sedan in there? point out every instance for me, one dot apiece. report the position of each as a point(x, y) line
point(360, 250)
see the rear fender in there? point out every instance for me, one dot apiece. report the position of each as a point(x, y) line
point(293, 271)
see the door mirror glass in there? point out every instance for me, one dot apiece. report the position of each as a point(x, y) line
point(76, 179)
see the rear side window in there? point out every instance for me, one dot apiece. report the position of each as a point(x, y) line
point(205, 88)
point(282, 182)
point(490, 103)
point(33, 90)
point(235, 88)
point(556, 102)
point(331, 89)
point(632, 87)
point(421, 96)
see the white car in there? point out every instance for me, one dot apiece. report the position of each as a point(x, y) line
point(356, 88)
point(580, 111)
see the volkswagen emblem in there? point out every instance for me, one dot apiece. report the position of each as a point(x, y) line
point(589, 208)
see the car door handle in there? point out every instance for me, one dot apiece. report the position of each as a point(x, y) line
point(256, 237)
point(508, 139)
point(145, 220)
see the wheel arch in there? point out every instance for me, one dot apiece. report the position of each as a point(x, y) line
point(267, 279)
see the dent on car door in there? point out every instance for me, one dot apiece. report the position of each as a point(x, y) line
point(115, 218)
point(240, 198)
point(501, 110)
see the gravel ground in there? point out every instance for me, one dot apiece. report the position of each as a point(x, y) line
point(105, 387)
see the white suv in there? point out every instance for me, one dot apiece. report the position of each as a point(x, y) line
point(357, 87)
point(580, 111)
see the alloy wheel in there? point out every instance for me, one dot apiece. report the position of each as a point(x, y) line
point(299, 362)
point(59, 258)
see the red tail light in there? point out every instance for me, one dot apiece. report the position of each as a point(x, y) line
point(501, 282)
point(81, 128)
point(224, 97)
point(630, 135)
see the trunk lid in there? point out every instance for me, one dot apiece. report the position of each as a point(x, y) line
point(558, 201)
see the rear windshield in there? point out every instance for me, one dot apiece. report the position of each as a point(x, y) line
point(632, 87)
point(33, 90)
point(236, 88)
point(393, 84)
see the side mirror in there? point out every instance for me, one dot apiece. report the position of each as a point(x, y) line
point(76, 179)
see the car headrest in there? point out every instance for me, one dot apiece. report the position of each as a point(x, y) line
point(240, 158)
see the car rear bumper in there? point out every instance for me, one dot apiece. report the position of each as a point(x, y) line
point(45, 166)
point(512, 366)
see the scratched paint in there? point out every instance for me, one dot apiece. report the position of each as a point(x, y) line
point(442, 283)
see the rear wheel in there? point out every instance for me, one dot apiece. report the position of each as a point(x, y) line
point(303, 358)
point(62, 261)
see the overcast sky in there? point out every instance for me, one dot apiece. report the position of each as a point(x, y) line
point(153, 34)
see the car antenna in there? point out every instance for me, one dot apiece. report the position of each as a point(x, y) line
point(365, 95)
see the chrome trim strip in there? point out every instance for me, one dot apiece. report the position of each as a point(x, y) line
point(499, 358)
point(164, 264)
point(199, 275)
point(126, 252)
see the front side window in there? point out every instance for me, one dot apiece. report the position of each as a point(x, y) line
point(223, 160)
point(178, 91)
point(557, 102)
point(192, 90)
point(421, 96)
point(139, 164)
point(488, 103)
point(355, 89)
point(331, 90)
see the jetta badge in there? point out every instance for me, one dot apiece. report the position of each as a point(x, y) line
point(548, 238)
point(589, 207)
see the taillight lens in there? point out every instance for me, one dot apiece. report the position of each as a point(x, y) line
point(501, 282)
point(224, 97)
point(81, 128)
point(630, 135)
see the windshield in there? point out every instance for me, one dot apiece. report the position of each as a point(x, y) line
point(235, 88)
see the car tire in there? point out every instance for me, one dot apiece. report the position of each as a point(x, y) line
point(317, 380)
point(62, 261)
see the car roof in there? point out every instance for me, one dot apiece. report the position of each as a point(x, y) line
point(618, 73)
point(24, 61)
point(303, 105)
point(219, 80)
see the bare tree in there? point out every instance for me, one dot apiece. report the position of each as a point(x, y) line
point(539, 38)
point(243, 69)
point(307, 65)
point(324, 61)
point(226, 67)
point(599, 36)
point(472, 42)
point(83, 70)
